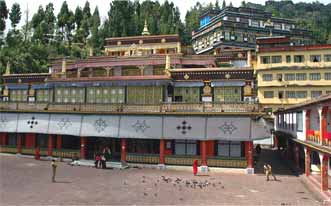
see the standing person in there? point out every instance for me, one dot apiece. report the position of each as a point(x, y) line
point(97, 160)
point(103, 161)
point(107, 154)
point(195, 167)
point(53, 170)
point(258, 149)
point(268, 171)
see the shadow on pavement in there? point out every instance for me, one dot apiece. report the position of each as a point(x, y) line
point(279, 165)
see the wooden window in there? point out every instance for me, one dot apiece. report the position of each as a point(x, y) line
point(327, 76)
point(186, 147)
point(276, 59)
point(268, 94)
point(227, 94)
point(301, 76)
point(187, 94)
point(315, 58)
point(289, 77)
point(105, 95)
point(145, 95)
point(265, 60)
point(314, 76)
point(301, 94)
point(18, 95)
point(267, 77)
point(299, 58)
point(44, 95)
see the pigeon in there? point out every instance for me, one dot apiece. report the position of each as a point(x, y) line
point(145, 193)
point(214, 185)
point(155, 184)
point(143, 181)
point(155, 194)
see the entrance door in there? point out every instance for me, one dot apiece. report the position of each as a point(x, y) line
point(97, 144)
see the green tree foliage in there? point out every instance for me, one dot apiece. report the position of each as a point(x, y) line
point(3, 15)
point(15, 15)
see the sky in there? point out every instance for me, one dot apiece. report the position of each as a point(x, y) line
point(103, 5)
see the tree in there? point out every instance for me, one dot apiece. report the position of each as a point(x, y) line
point(3, 15)
point(78, 16)
point(230, 4)
point(243, 4)
point(15, 15)
point(223, 4)
point(217, 5)
point(87, 10)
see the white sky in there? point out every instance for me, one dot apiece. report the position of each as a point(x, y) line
point(103, 5)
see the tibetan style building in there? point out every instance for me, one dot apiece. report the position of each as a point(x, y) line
point(304, 132)
point(229, 32)
point(144, 99)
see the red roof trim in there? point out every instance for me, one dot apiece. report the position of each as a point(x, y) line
point(295, 48)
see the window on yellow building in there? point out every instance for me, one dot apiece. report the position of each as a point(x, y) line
point(280, 77)
point(265, 60)
point(314, 76)
point(327, 57)
point(315, 58)
point(276, 59)
point(301, 94)
point(289, 77)
point(290, 94)
point(315, 94)
point(327, 76)
point(288, 59)
point(267, 77)
point(301, 76)
point(299, 58)
point(328, 92)
point(268, 94)
point(299, 121)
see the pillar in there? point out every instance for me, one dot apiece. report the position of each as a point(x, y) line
point(296, 155)
point(19, 143)
point(50, 145)
point(30, 140)
point(249, 145)
point(58, 141)
point(324, 172)
point(276, 142)
point(323, 127)
point(83, 147)
point(4, 138)
point(203, 153)
point(123, 150)
point(162, 151)
point(307, 161)
point(307, 120)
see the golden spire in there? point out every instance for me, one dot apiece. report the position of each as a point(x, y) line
point(145, 31)
point(7, 68)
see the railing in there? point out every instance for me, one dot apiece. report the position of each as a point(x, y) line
point(314, 136)
point(238, 107)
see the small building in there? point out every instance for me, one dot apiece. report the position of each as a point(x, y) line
point(304, 132)
point(287, 74)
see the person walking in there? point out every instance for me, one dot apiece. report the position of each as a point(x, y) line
point(268, 171)
point(195, 167)
point(53, 164)
point(103, 162)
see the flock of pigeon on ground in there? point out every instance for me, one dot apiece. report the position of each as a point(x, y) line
point(181, 183)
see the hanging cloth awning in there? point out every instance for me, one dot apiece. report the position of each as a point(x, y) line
point(188, 84)
point(228, 83)
point(18, 86)
point(42, 86)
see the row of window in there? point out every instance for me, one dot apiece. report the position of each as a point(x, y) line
point(293, 94)
point(296, 59)
point(291, 121)
point(296, 76)
point(131, 95)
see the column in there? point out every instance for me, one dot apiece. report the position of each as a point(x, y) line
point(307, 161)
point(123, 150)
point(162, 151)
point(19, 143)
point(275, 141)
point(324, 171)
point(296, 155)
point(83, 147)
point(203, 153)
point(4, 138)
point(249, 145)
point(323, 127)
point(307, 120)
point(58, 141)
point(50, 145)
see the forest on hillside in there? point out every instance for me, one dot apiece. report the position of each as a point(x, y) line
point(46, 35)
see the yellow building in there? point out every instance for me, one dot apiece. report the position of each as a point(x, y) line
point(288, 75)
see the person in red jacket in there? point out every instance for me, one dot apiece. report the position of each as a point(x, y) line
point(195, 167)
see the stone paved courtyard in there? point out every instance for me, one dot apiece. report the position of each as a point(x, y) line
point(28, 182)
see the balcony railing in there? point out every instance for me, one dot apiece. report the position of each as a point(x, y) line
point(227, 107)
point(314, 136)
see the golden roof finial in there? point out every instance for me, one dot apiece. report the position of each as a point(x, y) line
point(145, 31)
point(7, 68)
